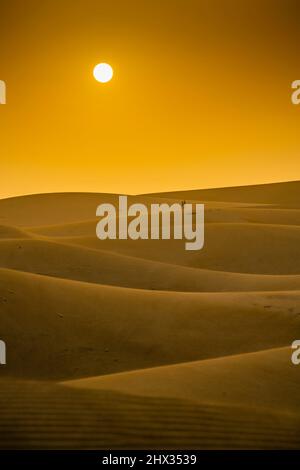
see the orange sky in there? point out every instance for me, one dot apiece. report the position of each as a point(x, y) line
point(200, 96)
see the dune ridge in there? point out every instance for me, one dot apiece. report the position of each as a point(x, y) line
point(71, 260)
point(250, 376)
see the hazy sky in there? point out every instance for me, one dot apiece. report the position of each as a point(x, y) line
point(201, 94)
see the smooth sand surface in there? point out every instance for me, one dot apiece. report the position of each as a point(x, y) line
point(141, 344)
point(274, 193)
point(243, 379)
point(74, 261)
point(230, 247)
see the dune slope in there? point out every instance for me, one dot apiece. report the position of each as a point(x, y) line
point(37, 415)
point(249, 380)
point(273, 193)
point(77, 262)
point(142, 344)
point(66, 329)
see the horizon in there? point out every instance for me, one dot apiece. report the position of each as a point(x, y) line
point(153, 193)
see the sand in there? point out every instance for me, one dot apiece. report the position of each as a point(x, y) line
point(140, 344)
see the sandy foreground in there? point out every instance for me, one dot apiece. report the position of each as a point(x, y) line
point(141, 344)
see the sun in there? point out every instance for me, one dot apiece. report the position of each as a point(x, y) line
point(103, 72)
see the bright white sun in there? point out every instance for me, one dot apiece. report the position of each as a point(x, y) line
point(103, 73)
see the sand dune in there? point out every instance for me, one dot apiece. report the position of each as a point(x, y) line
point(212, 215)
point(66, 329)
point(57, 208)
point(246, 380)
point(8, 232)
point(141, 344)
point(243, 248)
point(67, 208)
point(37, 415)
point(274, 193)
point(104, 267)
point(63, 208)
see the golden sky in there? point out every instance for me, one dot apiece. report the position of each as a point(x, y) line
point(201, 94)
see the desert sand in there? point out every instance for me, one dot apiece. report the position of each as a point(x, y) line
point(141, 344)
